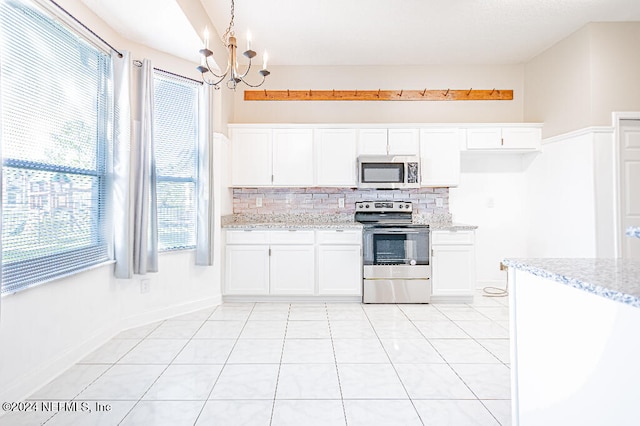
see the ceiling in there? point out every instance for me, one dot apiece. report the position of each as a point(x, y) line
point(371, 32)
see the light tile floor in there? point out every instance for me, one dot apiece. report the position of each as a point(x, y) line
point(295, 364)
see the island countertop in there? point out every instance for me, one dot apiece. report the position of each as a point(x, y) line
point(615, 279)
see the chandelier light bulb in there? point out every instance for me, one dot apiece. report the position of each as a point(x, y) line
point(206, 37)
point(265, 58)
point(248, 40)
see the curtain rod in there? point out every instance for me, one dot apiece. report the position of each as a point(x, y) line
point(86, 28)
point(138, 63)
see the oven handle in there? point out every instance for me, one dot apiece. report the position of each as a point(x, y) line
point(396, 231)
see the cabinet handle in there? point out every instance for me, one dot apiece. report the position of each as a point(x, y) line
point(292, 230)
point(339, 230)
point(502, 141)
point(248, 230)
point(269, 251)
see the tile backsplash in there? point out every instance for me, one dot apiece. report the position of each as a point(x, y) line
point(326, 200)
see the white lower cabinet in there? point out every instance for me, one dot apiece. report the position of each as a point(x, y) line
point(247, 270)
point(453, 264)
point(340, 263)
point(291, 270)
point(293, 263)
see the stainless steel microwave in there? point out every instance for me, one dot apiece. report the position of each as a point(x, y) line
point(388, 171)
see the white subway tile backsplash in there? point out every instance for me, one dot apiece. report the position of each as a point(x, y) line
point(325, 200)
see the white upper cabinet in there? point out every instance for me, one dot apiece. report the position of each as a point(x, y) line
point(251, 157)
point(388, 142)
point(525, 138)
point(403, 142)
point(504, 138)
point(372, 142)
point(293, 157)
point(440, 156)
point(336, 157)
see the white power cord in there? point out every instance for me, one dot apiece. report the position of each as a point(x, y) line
point(496, 291)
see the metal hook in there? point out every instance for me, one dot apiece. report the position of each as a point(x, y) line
point(469, 92)
point(356, 92)
point(310, 94)
point(288, 93)
point(400, 95)
point(423, 92)
point(334, 93)
point(378, 92)
point(265, 93)
point(447, 92)
point(492, 90)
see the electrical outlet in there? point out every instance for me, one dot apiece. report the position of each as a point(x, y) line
point(258, 201)
point(145, 286)
point(439, 202)
point(341, 203)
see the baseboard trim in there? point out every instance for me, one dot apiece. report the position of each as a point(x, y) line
point(293, 299)
point(452, 299)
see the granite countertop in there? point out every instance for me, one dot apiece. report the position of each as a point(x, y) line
point(633, 232)
point(615, 279)
point(326, 221)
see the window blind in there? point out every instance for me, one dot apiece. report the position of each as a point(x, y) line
point(56, 121)
point(176, 138)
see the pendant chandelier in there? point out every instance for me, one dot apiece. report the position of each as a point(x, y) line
point(232, 73)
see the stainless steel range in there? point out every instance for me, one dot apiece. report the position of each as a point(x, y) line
point(396, 253)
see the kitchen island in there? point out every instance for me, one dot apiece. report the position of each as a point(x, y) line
point(574, 341)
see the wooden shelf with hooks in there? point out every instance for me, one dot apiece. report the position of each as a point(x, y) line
point(379, 95)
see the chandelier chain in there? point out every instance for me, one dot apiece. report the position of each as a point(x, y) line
point(229, 31)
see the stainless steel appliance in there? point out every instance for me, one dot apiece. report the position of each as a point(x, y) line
point(396, 253)
point(388, 171)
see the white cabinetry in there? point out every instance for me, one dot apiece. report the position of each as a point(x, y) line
point(453, 266)
point(504, 138)
point(336, 157)
point(440, 156)
point(291, 262)
point(251, 157)
point(267, 157)
point(404, 142)
point(388, 142)
point(339, 262)
point(293, 157)
point(291, 270)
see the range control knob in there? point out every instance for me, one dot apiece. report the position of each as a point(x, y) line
point(359, 206)
point(367, 205)
point(407, 206)
point(401, 206)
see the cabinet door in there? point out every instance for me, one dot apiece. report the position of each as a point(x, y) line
point(440, 157)
point(251, 157)
point(404, 142)
point(336, 154)
point(521, 138)
point(372, 142)
point(453, 270)
point(247, 270)
point(339, 270)
point(293, 157)
point(292, 270)
point(484, 138)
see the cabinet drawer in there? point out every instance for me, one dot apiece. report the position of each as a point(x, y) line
point(247, 236)
point(339, 236)
point(452, 237)
point(292, 236)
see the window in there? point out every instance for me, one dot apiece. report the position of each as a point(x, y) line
point(176, 139)
point(55, 96)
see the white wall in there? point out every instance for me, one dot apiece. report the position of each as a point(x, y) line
point(565, 217)
point(491, 196)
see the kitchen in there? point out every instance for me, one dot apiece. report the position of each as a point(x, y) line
point(549, 202)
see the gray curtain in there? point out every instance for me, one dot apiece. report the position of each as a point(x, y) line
point(204, 225)
point(121, 206)
point(145, 215)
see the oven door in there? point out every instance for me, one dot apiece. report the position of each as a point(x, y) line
point(396, 252)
